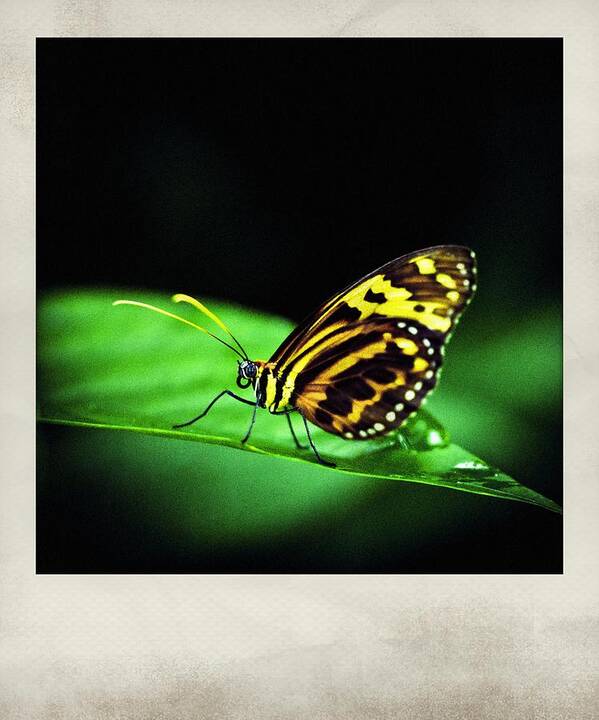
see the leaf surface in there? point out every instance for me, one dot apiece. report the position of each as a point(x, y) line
point(124, 368)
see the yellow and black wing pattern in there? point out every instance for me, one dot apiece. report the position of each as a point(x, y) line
point(362, 363)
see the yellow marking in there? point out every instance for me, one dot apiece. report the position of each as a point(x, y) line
point(360, 405)
point(271, 389)
point(300, 364)
point(380, 285)
point(286, 395)
point(420, 364)
point(446, 280)
point(429, 318)
point(441, 324)
point(453, 295)
point(397, 304)
point(426, 266)
point(344, 363)
point(408, 347)
point(377, 284)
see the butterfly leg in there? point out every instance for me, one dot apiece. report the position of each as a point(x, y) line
point(298, 444)
point(246, 437)
point(320, 460)
point(287, 412)
point(216, 399)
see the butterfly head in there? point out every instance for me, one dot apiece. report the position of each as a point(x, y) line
point(248, 371)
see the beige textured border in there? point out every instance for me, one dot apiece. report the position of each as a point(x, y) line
point(298, 646)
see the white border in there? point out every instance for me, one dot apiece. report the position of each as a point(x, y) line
point(295, 646)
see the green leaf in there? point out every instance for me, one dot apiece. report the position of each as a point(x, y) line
point(125, 368)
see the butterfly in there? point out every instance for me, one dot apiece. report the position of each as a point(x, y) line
point(364, 361)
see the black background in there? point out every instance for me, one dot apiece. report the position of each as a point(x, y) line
point(274, 172)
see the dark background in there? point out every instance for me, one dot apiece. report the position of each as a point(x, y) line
point(274, 172)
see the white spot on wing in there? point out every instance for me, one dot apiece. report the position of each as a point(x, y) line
point(390, 416)
point(410, 395)
point(379, 427)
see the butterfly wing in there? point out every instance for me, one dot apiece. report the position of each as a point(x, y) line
point(365, 360)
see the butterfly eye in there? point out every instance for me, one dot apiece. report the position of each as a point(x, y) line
point(247, 369)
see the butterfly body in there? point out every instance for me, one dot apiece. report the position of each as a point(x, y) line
point(266, 383)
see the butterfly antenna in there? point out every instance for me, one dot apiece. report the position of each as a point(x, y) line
point(180, 297)
point(180, 319)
